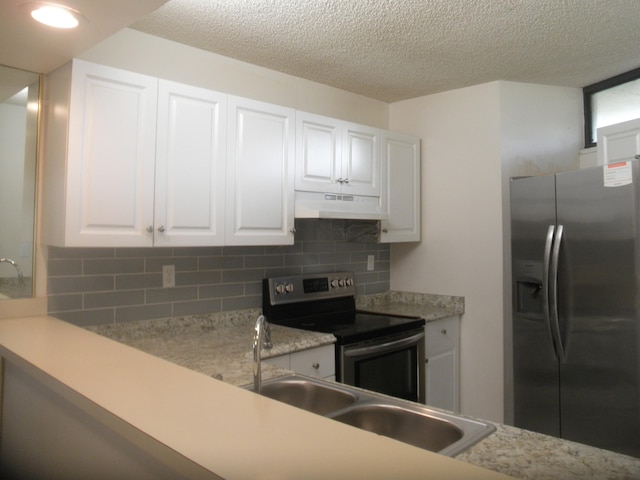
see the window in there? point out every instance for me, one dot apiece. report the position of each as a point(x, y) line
point(614, 100)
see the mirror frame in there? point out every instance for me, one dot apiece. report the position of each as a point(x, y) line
point(37, 303)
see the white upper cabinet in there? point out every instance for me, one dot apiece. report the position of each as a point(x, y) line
point(260, 173)
point(401, 188)
point(334, 156)
point(138, 161)
point(190, 166)
point(619, 142)
point(99, 157)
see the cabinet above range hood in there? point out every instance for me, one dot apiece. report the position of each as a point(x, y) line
point(335, 205)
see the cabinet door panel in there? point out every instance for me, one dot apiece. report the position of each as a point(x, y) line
point(318, 153)
point(401, 188)
point(259, 174)
point(361, 160)
point(618, 143)
point(111, 157)
point(190, 166)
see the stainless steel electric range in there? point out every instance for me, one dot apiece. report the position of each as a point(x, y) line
point(379, 352)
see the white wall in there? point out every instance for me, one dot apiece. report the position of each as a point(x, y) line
point(139, 52)
point(473, 140)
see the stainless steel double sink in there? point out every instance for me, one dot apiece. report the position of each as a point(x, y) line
point(408, 422)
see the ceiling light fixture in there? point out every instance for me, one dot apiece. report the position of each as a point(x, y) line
point(57, 16)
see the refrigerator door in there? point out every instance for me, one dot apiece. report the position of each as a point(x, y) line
point(536, 387)
point(598, 309)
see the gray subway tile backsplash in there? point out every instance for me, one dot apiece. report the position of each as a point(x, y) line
point(90, 286)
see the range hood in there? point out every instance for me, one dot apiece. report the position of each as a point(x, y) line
point(335, 205)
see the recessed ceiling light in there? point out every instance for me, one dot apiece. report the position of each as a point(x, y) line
point(57, 16)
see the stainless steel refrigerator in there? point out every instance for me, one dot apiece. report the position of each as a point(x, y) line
point(576, 305)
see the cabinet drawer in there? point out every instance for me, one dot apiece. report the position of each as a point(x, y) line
point(442, 335)
point(316, 362)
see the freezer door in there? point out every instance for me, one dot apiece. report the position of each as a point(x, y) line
point(598, 309)
point(536, 388)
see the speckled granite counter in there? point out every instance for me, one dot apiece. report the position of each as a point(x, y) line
point(424, 305)
point(217, 345)
point(220, 345)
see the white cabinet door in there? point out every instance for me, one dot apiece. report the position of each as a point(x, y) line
point(620, 142)
point(442, 352)
point(361, 160)
point(260, 169)
point(334, 156)
point(111, 157)
point(190, 166)
point(318, 153)
point(401, 188)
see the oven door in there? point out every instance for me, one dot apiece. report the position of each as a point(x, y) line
point(393, 365)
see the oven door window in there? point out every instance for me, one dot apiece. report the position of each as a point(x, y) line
point(394, 374)
point(398, 372)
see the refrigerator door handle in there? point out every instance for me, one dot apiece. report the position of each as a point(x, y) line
point(545, 284)
point(553, 294)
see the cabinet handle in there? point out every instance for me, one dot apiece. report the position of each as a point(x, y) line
point(161, 229)
point(315, 365)
point(346, 180)
point(443, 331)
point(637, 157)
point(292, 230)
point(384, 230)
point(149, 229)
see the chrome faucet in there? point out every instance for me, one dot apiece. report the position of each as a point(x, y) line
point(261, 338)
point(16, 266)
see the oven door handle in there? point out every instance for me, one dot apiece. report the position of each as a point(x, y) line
point(383, 347)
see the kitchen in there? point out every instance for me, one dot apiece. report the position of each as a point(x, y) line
point(469, 178)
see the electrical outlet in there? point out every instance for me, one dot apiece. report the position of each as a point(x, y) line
point(370, 262)
point(168, 276)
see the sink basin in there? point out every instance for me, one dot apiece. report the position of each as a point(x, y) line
point(408, 422)
point(417, 429)
point(310, 396)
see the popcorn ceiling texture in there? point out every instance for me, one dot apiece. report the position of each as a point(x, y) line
point(393, 50)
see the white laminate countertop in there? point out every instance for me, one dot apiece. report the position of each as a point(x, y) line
point(229, 431)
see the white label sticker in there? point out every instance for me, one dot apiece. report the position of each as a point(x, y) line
point(617, 174)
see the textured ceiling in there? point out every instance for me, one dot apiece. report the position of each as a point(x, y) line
point(31, 46)
point(393, 50)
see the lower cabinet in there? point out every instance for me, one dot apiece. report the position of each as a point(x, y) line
point(314, 362)
point(442, 372)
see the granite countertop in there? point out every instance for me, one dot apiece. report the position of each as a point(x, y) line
point(220, 346)
point(409, 304)
point(217, 345)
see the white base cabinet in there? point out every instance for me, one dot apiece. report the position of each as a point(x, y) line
point(313, 362)
point(442, 372)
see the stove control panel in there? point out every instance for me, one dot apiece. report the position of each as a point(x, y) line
point(299, 288)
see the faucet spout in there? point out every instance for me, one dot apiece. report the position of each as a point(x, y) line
point(261, 338)
point(16, 266)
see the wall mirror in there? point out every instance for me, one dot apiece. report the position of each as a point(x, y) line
point(19, 115)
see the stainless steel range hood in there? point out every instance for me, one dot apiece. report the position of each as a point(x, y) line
point(333, 205)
